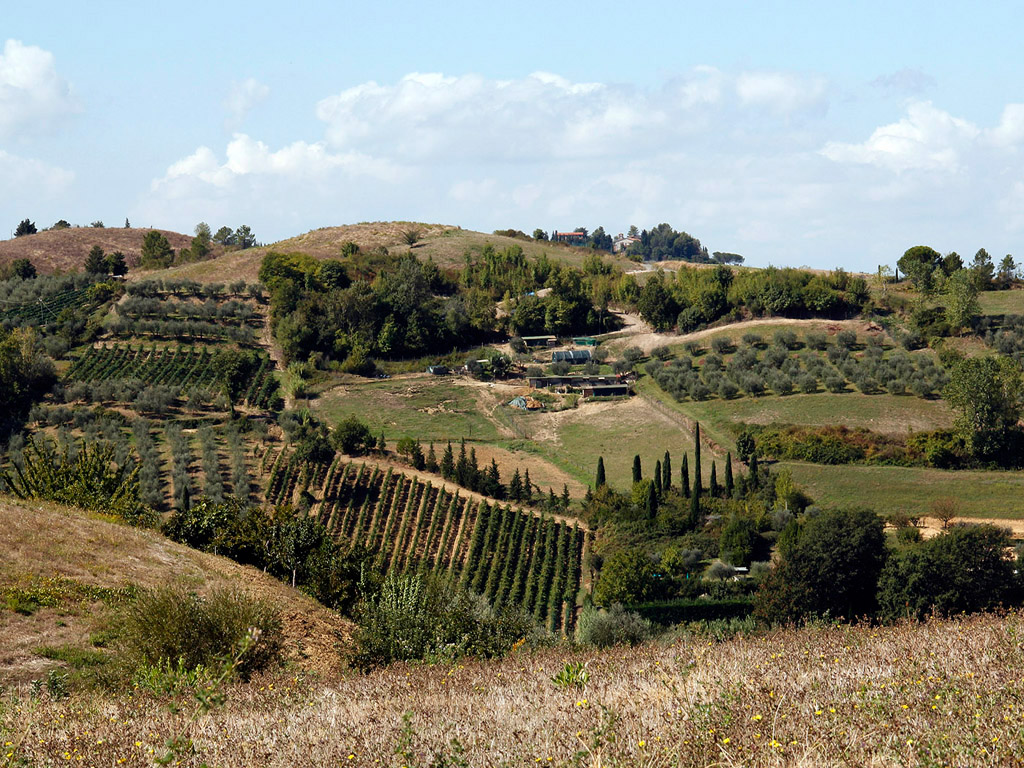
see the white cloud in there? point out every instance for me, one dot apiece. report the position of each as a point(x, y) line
point(242, 99)
point(927, 139)
point(905, 81)
point(24, 179)
point(1010, 131)
point(781, 93)
point(32, 93)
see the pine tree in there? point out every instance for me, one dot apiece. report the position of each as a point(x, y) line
point(637, 472)
point(494, 486)
point(684, 475)
point(431, 459)
point(474, 470)
point(462, 466)
point(600, 479)
point(382, 444)
point(95, 262)
point(713, 486)
point(565, 498)
point(657, 478)
point(698, 483)
point(729, 489)
point(527, 487)
point(515, 486)
point(552, 500)
point(448, 463)
point(651, 503)
point(666, 472)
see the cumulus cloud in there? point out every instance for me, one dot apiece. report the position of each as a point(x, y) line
point(25, 178)
point(32, 93)
point(781, 93)
point(242, 99)
point(927, 139)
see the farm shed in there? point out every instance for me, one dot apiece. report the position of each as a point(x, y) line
point(437, 370)
point(539, 341)
point(585, 341)
point(570, 356)
point(606, 390)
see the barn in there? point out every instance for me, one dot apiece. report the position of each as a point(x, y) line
point(573, 356)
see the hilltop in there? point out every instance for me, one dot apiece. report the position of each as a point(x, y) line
point(46, 544)
point(65, 250)
point(446, 245)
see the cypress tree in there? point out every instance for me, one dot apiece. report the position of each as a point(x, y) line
point(448, 463)
point(684, 474)
point(462, 466)
point(637, 473)
point(431, 459)
point(694, 517)
point(657, 478)
point(527, 487)
point(729, 488)
point(713, 485)
point(565, 498)
point(515, 486)
point(474, 470)
point(754, 481)
point(552, 500)
point(651, 504)
point(698, 482)
point(599, 480)
point(666, 472)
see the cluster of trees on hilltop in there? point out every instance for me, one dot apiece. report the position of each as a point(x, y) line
point(691, 298)
point(661, 243)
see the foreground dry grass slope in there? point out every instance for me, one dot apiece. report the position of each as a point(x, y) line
point(65, 250)
point(40, 541)
point(934, 694)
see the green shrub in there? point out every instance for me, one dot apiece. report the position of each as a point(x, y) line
point(614, 626)
point(414, 618)
point(172, 625)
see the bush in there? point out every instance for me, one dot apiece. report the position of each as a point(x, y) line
point(632, 354)
point(751, 339)
point(846, 339)
point(785, 338)
point(169, 624)
point(721, 345)
point(817, 341)
point(662, 352)
point(418, 618)
point(614, 626)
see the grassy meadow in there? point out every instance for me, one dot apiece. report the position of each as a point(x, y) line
point(934, 694)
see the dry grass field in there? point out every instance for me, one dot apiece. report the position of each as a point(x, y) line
point(65, 250)
point(446, 245)
point(932, 694)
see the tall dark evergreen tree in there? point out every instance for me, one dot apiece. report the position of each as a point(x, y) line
point(657, 478)
point(713, 489)
point(566, 500)
point(552, 500)
point(600, 479)
point(448, 462)
point(684, 476)
point(474, 470)
point(462, 466)
point(729, 487)
point(638, 474)
point(753, 478)
point(697, 480)
point(515, 486)
point(651, 502)
point(666, 472)
point(431, 459)
point(527, 487)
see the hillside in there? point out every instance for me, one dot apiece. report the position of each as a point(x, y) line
point(937, 693)
point(446, 245)
point(64, 250)
point(43, 542)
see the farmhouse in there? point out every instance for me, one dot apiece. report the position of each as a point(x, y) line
point(573, 238)
point(622, 242)
point(572, 382)
point(570, 356)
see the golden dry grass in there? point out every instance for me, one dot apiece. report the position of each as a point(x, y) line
point(65, 250)
point(445, 245)
point(42, 541)
point(937, 693)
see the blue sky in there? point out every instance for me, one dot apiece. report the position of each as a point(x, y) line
point(794, 133)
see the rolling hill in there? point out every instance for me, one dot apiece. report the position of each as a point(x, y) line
point(65, 250)
point(60, 549)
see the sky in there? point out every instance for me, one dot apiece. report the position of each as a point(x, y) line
point(799, 133)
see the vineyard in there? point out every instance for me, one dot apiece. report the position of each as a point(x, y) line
point(509, 556)
point(175, 366)
point(39, 301)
